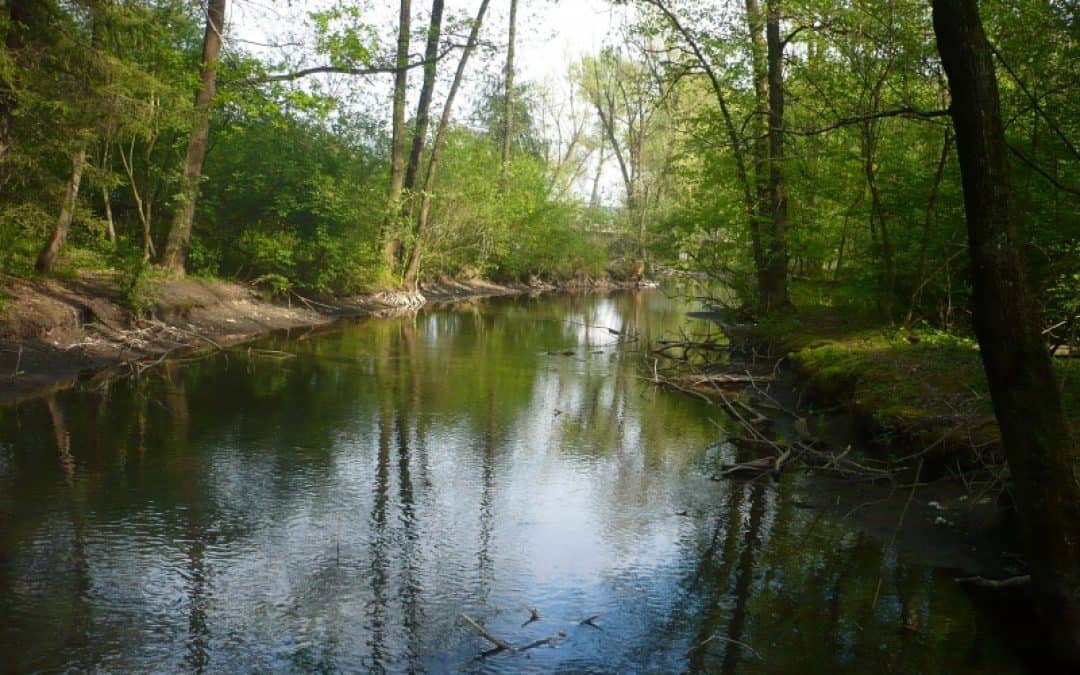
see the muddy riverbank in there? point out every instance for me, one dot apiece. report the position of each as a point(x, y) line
point(54, 332)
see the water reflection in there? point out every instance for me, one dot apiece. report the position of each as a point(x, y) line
point(334, 501)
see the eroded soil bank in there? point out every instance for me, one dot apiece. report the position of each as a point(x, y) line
point(912, 392)
point(55, 331)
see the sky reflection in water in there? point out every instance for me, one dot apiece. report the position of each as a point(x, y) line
point(337, 510)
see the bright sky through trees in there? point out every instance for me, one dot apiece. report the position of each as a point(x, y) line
point(553, 35)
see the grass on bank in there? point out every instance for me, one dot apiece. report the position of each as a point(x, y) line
point(910, 389)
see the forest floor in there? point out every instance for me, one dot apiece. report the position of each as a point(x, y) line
point(54, 332)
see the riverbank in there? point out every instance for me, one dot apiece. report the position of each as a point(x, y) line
point(54, 332)
point(910, 392)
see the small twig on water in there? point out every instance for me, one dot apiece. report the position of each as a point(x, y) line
point(722, 638)
point(589, 621)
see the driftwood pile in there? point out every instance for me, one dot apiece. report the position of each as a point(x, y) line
point(694, 367)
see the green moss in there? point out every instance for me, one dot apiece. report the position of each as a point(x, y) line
point(909, 388)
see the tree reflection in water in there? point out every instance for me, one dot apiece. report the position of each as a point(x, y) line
point(337, 510)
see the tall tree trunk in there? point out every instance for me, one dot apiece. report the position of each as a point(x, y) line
point(106, 199)
point(392, 243)
point(508, 122)
point(840, 251)
point(423, 107)
point(46, 260)
point(928, 221)
point(594, 197)
point(110, 224)
point(775, 290)
point(174, 257)
point(755, 24)
point(412, 272)
point(1023, 388)
point(888, 261)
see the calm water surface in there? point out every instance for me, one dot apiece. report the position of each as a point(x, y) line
point(335, 504)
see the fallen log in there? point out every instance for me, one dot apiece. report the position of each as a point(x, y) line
point(754, 466)
point(983, 582)
point(484, 633)
point(724, 378)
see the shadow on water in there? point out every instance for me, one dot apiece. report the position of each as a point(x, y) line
point(334, 502)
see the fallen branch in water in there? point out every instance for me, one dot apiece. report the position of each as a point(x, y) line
point(309, 302)
point(504, 646)
point(589, 621)
point(723, 378)
point(728, 640)
point(754, 466)
point(983, 582)
point(484, 633)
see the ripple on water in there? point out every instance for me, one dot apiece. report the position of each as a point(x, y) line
point(339, 512)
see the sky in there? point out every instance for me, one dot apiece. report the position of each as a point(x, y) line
point(551, 35)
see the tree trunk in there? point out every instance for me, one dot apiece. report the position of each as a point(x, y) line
point(508, 123)
point(46, 260)
point(1023, 387)
point(412, 272)
point(877, 206)
point(106, 198)
point(392, 243)
point(840, 251)
point(175, 256)
point(755, 24)
point(423, 108)
point(928, 220)
point(594, 197)
point(109, 222)
point(775, 291)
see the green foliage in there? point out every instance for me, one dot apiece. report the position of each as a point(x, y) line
point(135, 278)
point(508, 236)
point(862, 60)
point(291, 203)
point(343, 35)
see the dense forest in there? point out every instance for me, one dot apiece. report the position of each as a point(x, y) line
point(909, 161)
point(807, 140)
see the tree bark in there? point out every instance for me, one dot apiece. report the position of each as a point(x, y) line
point(508, 122)
point(755, 24)
point(46, 260)
point(412, 272)
point(392, 243)
point(888, 262)
point(774, 291)
point(594, 197)
point(423, 108)
point(928, 221)
point(174, 257)
point(1023, 387)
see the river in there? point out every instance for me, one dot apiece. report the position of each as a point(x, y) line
point(335, 500)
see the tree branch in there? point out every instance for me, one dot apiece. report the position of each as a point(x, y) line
point(1041, 171)
point(1035, 102)
point(340, 70)
point(858, 119)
